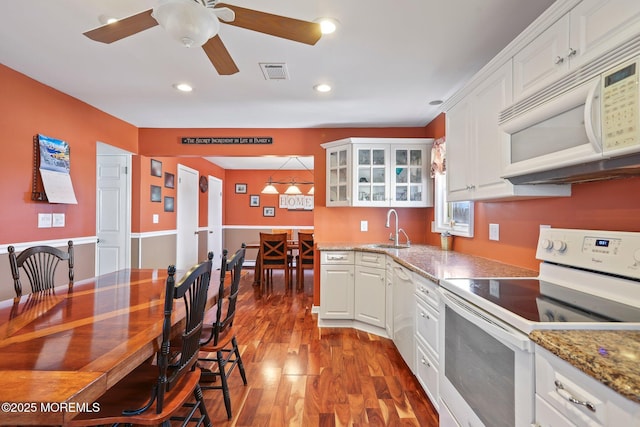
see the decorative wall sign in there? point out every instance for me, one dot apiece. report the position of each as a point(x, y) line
point(295, 202)
point(227, 140)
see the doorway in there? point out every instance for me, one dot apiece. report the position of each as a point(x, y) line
point(214, 240)
point(187, 218)
point(113, 209)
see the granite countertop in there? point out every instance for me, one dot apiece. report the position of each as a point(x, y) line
point(435, 264)
point(611, 357)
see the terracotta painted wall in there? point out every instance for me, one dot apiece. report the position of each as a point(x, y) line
point(236, 206)
point(28, 108)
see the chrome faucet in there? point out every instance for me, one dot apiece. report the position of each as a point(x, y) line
point(395, 236)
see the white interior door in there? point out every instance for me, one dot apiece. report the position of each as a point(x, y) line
point(187, 218)
point(214, 241)
point(113, 211)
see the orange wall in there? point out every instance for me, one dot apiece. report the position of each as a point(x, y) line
point(236, 206)
point(26, 109)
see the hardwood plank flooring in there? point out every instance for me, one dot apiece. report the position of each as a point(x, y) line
point(302, 375)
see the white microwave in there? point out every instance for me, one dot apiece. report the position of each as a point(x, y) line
point(581, 133)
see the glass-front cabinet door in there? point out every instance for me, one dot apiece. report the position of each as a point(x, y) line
point(338, 179)
point(371, 169)
point(409, 176)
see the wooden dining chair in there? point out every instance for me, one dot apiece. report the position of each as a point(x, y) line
point(219, 337)
point(274, 255)
point(304, 258)
point(39, 264)
point(154, 394)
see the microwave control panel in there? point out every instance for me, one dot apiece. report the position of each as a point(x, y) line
point(620, 110)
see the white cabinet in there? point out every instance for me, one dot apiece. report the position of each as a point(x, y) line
point(590, 29)
point(403, 314)
point(389, 296)
point(336, 285)
point(370, 289)
point(426, 301)
point(593, 405)
point(379, 172)
point(478, 150)
point(339, 176)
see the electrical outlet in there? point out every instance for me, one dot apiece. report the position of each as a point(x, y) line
point(494, 231)
point(364, 225)
point(156, 218)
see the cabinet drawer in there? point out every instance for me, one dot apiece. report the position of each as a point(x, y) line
point(427, 325)
point(371, 259)
point(547, 416)
point(427, 374)
point(337, 257)
point(427, 290)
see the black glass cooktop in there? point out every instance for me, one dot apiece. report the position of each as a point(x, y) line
point(540, 301)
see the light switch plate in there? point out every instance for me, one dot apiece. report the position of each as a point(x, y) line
point(58, 220)
point(494, 231)
point(44, 220)
point(364, 225)
point(156, 218)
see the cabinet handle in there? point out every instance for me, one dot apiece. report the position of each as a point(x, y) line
point(424, 362)
point(567, 395)
point(426, 316)
point(425, 290)
point(558, 60)
point(572, 52)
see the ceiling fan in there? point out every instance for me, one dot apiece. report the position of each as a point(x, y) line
point(196, 22)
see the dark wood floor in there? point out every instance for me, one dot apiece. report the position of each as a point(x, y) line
point(301, 375)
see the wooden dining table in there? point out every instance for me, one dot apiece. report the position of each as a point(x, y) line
point(63, 348)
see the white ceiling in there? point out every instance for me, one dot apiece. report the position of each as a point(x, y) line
point(386, 61)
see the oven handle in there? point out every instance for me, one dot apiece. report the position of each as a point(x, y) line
point(497, 329)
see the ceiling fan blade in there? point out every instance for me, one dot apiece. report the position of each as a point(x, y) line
point(275, 25)
point(219, 56)
point(123, 28)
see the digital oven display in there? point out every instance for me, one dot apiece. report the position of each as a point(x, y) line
point(602, 243)
point(622, 74)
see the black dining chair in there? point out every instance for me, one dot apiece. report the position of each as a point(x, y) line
point(155, 394)
point(219, 338)
point(39, 264)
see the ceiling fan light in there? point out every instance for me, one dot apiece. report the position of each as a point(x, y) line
point(187, 21)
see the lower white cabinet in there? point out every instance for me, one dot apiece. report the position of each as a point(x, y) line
point(336, 285)
point(403, 314)
point(567, 397)
point(426, 300)
point(370, 290)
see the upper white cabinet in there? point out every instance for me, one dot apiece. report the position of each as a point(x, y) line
point(477, 148)
point(590, 29)
point(379, 172)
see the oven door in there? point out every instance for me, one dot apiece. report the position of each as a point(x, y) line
point(487, 368)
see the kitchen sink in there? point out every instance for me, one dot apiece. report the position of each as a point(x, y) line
point(390, 246)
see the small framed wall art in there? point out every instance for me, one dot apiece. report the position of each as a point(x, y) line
point(254, 200)
point(241, 188)
point(169, 180)
point(168, 204)
point(156, 167)
point(269, 211)
point(156, 193)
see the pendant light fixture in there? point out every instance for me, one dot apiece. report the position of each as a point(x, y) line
point(292, 188)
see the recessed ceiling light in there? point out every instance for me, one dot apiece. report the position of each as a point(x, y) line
point(327, 25)
point(183, 87)
point(435, 102)
point(322, 87)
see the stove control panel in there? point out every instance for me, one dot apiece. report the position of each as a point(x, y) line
point(613, 252)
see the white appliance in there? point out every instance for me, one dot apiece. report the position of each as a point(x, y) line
point(588, 280)
point(576, 129)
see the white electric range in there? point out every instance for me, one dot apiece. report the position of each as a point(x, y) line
point(588, 279)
